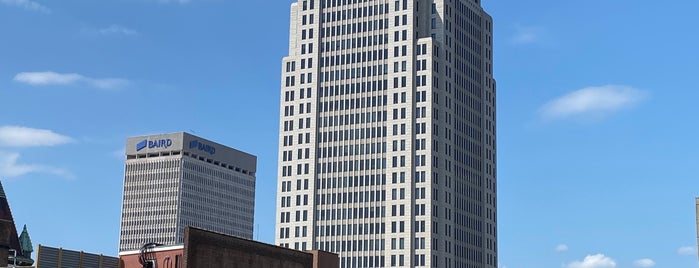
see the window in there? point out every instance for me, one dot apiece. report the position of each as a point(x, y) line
point(150, 264)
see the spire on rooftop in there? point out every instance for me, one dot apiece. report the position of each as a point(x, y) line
point(2, 191)
point(26, 243)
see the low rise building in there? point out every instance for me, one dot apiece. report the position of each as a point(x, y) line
point(203, 248)
point(51, 257)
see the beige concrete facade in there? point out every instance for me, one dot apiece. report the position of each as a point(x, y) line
point(387, 147)
point(176, 180)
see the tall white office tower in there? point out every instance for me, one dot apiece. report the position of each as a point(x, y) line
point(177, 180)
point(387, 149)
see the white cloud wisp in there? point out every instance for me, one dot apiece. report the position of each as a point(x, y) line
point(527, 35)
point(27, 4)
point(687, 251)
point(16, 136)
point(594, 261)
point(65, 79)
point(561, 248)
point(117, 30)
point(11, 168)
point(644, 263)
point(593, 101)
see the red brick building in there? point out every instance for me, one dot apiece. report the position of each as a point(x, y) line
point(208, 249)
point(19, 245)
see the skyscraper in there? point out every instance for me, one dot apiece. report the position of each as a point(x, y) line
point(387, 149)
point(177, 180)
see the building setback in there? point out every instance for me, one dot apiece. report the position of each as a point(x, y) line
point(177, 180)
point(387, 147)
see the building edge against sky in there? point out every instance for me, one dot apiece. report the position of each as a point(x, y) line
point(387, 146)
point(176, 180)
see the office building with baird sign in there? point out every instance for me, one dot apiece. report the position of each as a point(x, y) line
point(176, 180)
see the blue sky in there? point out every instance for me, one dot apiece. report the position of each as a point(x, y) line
point(596, 121)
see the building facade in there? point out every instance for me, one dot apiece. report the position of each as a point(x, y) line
point(15, 249)
point(176, 180)
point(387, 148)
point(50, 257)
point(208, 249)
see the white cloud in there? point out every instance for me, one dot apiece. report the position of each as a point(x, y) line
point(107, 83)
point(64, 79)
point(594, 261)
point(11, 168)
point(593, 101)
point(117, 30)
point(525, 35)
point(27, 4)
point(47, 78)
point(687, 251)
point(15, 136)
point(561, 248)
point(644, 263)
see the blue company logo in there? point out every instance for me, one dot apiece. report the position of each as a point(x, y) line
point(164, 143)
point(141, 145)
point(195, 144)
